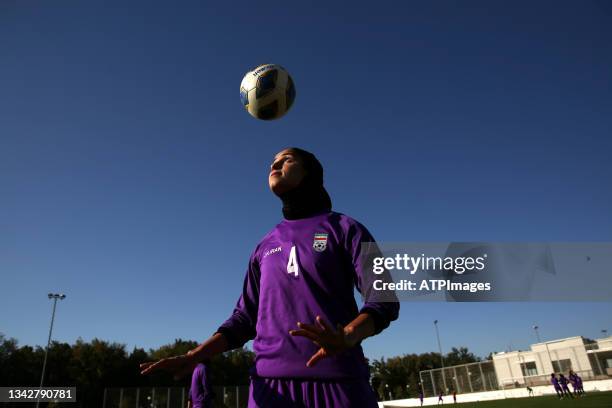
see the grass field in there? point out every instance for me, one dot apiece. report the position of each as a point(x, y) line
point(590, 400)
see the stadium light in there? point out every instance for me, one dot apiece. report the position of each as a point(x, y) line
point(55, 297)
point(604, 332)
point(441, 356)
point(535, 327)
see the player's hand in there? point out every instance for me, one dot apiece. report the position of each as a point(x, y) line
point(180, 366)
point(331, 341)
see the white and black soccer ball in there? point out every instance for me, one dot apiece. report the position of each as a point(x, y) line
point(267, 92)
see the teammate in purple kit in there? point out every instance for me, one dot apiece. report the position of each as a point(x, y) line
point(200, 392)
point(555, 383)
point(579, 383)
point(297, 301)
point(573, 381)
point(564, 388)
point(576, 383)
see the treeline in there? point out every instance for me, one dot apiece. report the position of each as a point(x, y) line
point(93, 366)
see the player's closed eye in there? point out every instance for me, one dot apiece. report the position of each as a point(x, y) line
point(280, 162)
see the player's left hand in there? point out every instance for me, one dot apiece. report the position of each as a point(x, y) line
point(323, 335)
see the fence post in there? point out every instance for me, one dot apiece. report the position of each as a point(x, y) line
point(469, 376)
point(104, 399)
point(484, 384)
point(137, 396)
point(422, 387)
point(433, 383)
point(120, 397)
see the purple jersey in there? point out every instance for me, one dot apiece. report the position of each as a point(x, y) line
point(301, 269)
point(555, 382)
point(201, 389)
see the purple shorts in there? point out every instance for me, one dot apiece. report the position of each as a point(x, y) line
point(287, 392)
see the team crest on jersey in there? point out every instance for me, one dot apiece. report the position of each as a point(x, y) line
point(320, 242)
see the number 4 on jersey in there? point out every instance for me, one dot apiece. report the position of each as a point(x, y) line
point(292, 265)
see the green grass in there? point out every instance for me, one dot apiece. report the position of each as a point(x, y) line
point(591, 400)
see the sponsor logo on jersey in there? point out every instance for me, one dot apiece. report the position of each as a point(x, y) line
point(272, 251)
point(320, 242)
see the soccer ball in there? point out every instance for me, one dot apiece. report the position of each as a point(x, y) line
point(267, 92)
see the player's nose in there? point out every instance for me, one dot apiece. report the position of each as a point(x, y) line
point(277, 165)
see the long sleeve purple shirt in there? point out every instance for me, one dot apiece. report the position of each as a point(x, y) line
point(200, 391)
point(301, 269)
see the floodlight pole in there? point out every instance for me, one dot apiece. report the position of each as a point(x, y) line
point(535, 327)
point(55, 297)
point(604, 332)
point(441, 357)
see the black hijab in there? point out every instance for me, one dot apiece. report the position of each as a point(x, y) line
point(309, 197)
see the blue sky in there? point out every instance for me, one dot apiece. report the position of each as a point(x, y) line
point(132, 180)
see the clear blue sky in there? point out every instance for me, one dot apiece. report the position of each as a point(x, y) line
point(132, 180)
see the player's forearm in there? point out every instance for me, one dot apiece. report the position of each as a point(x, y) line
point(216, 344)
point(359, 329)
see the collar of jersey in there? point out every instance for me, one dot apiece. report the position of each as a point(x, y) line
point(315, 215)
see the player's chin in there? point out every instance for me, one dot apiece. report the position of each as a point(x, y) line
point(277, 186)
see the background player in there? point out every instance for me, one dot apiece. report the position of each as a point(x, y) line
point(200, 392)
point(555, 384)
point(574, 381)
point(564, 388)
point(579, 383)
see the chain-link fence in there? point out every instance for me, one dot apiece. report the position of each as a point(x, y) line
point(478, 377)
point(172, 397)
point(473, 377)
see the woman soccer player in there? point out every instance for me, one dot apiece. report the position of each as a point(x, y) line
point(200, 392)
point(297, 301)
point(555, 384)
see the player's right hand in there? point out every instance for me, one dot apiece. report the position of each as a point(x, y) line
point(180, 366)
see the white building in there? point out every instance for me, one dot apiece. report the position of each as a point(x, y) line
point(530, 367)
point(591, 359)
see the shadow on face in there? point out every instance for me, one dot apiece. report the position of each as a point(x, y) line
point(286, 172)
